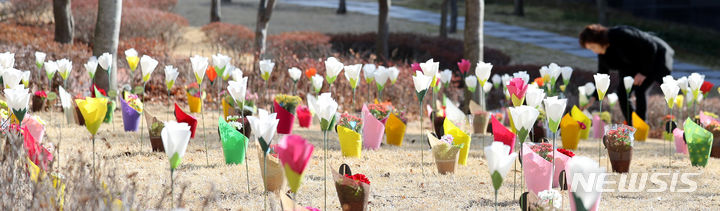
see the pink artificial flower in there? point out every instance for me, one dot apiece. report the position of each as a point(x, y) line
point(416, 67)
point(517, 87)
point(464, 66)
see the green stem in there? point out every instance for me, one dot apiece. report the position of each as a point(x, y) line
point(202, 115)
point(172, 183)
point(265, 178)
point(93, 163)
point(600, 141)
point(325, 167)
point(496, 193)
point(422, 142)
point(353, 99)
point(142, 122)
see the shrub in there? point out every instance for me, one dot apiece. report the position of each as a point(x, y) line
point(300, 44)
point(162, 5)
point(29, 12)
point(237, 38)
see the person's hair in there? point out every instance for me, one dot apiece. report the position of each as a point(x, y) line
point(594, 33)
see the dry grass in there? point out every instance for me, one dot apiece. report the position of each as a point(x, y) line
point(397, 181)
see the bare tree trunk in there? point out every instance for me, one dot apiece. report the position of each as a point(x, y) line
point(519, 8)
point(453, 16)
point(473, 40)
point(383, 30)
point(263, 18)
point(602, 12)
point(64, 23)
point(227, 1)
point(342, 8)
point(215, 11)
point(443, 18)
point(107, 33)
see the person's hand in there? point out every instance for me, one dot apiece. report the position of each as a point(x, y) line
point(639, 78)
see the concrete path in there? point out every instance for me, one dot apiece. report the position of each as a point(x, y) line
point(540, 38)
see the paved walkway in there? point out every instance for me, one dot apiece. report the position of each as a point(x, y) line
point(540, 38)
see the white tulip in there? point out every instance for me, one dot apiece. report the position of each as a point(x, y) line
point(237, 74)
point(488, 87)
point(317, 82)
point(523, 75)
point(264, 125)
point(683, 84)
point(695, 81)
point(482, 71)
point(603, 83)
point(295, 74)
point(589, 88)
point(266, 68)
point(506, 79)
point(91, 66)
point(566, 73)
point(369, 72)
point(17, 98)
point(421, 82)
point(12, 78)
point(199, 66)
point(51, 68)
point(229, 69)
point(582, 96)
point(39, 58)
point(311, 101)
point(175, 137)
point(524, 117)
point(534, 97)
point(582, 168)
point(628, 82)
point(453, 113)
point(668, 78)
point(220, 62)
point(65, 98)
point(554, 109)
point(148, 65)
point(499, 160)
point(64, 68)
point(352, 74)
point(325, 108)
point(446, 76)
point(238, 89)
point(612, 99)
point(105, 61)
point(471, 83)
point(171, 73)
point(131, 53)
point(381, 76)
point(670, 89)
point(430, 68)
point(496, 79)
point(393, 74)
point(333, 67)
point(7, 60)
point(25, 78)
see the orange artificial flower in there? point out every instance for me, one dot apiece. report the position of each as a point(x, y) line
point(539, 81)
point(310, 72)
point(211, 74)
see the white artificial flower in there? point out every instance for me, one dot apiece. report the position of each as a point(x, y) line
point(534, 96)
point(175, 137)
point(325, 108)
point(7, 60)
point(105, 61)
point(65, 98)
point(352, 74)
point(17, 98)
point(333, 67)
point(430, 68)
point(670, 89)
point(499, 159)
point(199, 66)
point(317, 82)
point(39, 58)
point(264, 125)
point(238, 89)
point(393, 73)
point(91, 66)
point(589, 88)
point(148, 65)
point(585, 169)
point(369, 72)
point(488, 87)
point(603, 83)
point(64, 68)
point(51, 68)
point(446, 76)
point(566, 73)
point(628, 83)
point(220, 62)
point(683, 84)
point(471, 83)
point(266, 68)
point(695, 81)
point(554, 109)
point(421, 82)
point(496, 79)
point(171, 73)
point(25, 78)
point(294, 73)
point(482, 71)
point(523, 75)
point(12, 78)
point(524, 117)
point(612, 99)
point(381, 76)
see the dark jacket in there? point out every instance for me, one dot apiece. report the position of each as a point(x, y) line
point(632, 51)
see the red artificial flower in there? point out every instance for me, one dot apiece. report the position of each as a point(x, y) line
point(706, 87)
point(310, 72)
point(416, 67)
point(464, 66)
point(211, 74)
point(359, 178)
point(566, 152)
point(92, 91)
point(41, 94)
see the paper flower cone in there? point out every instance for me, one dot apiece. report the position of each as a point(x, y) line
point(155, 141)
point(110, 111)
point(353, 195)
point(537, 170)
point(579, 116)
point(373, 130)
point(131, 117)
point(195, 103)
point(36, 152)
point(598, 127)
point(395, 130)
point(294, 153)
point(459, 137)
point(273, 180)
point(93, 111)
point(181, 116)
point(228, 110)
point(560, 161)
point(350, 142)
point(304, 116)
point(234, 143)
point(502, 134)
point(699, 143)
point(680, 145)
point(569, 132)
point(287, 119)
point(643, 129)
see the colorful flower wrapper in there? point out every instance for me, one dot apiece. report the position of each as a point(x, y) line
point(373, 130)
point(560, 161)
point(394, 130)
point(350, 142)
point(234, 143)
point(304, 116)
point(699, 143)
point(642, 128)
point(228, 110)
point(537, 170)
point(131, 117)
point(155, 141)
point(569, 132)
point(93, 111)
point(286, 119)
point(353, 195)
point(502, 134)
point(181, 116)
point(598, 126)
point(705, 119)
point(110, 111)
point(36, 129)
point(273, 181)
point(36, 152)
point(459, 137)
point(195, 103)
point(680, 145)
point(579, 116)
point(294, 153)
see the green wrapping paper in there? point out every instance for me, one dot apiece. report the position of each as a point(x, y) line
point(110, 110)
point(234, 143)
point(699, 142)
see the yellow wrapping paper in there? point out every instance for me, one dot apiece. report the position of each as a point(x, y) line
point(512, 125)
point(227, 109)
point(579, 116)
point(394, 130)
point(195, 103)
point(569, 132)
point(38, 174)
point(459, 137)
point(643, 128)
point(350, 142)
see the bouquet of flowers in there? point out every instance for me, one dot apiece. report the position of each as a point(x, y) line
point(134, 102)
point(195, 97)
point(400, 115)
point(373, 125)
point(353, 190)
point(131, 110)
point(545, 150)
point(351, 122)
point(285, 108)
point(619, 138)
point(234, 143)
point(288, 102)
point(234, 121)
point(547, 200)
point(194, 90)
point(714, 128)
point(38, 100)
point(349, 128)
point(379, 111)
point(304, 116)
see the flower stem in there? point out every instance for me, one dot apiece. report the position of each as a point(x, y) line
point(93, 163)
point(172, 183)
point(142, 122)
point(422, 143)
point(496, 193)
point(325, 166)
point(265, 178)
point(599, 141)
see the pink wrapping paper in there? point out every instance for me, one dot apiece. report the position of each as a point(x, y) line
point(537, 170)
point(598, 127)
point(36, 152)
point(373, 130)
point(560, 161)
point(502, 134)
point(286, 119)
point(36, 129)
point(705, 119)
point(680, 145)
